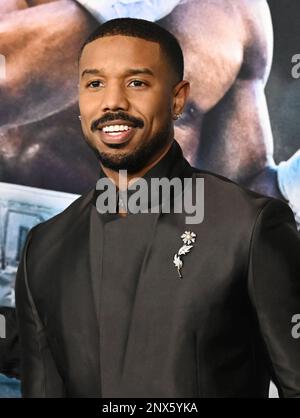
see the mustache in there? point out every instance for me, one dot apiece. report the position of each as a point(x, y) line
point(109, 117)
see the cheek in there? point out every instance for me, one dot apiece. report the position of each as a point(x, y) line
point(83, 104)
point(156, 103)
point(161, 114)
point(87, 104)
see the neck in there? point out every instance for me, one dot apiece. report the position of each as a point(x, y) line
point(122, 183)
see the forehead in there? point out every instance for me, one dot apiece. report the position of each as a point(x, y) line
point(118, 52)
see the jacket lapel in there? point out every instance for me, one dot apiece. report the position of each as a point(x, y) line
point(181, 169)
point(96, 237)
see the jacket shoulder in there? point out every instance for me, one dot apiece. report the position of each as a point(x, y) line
point(63, 220)
point(236, 201)
point(221, 181)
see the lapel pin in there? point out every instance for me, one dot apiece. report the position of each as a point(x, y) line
point(188, 239)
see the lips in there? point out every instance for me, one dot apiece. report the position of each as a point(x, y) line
point(116, 133)
point(115, 123)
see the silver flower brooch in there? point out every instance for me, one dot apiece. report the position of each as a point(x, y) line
point(188, 239)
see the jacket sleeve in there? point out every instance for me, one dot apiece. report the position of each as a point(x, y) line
point(274, 288)
point(39, 375)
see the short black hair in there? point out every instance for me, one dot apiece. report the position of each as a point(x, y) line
point(143, 29)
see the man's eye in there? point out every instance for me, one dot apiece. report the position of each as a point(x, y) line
point(94, 84)
point(137, 83)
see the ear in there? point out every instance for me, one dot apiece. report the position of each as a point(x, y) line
point(180, 94)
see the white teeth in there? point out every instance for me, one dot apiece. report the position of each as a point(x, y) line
point(116, 128)
point(113, 133)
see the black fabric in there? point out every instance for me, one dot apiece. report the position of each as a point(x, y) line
point(125, 243)
point(113, 319)
point(167, 167)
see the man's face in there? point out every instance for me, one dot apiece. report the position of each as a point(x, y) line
point(126, 100)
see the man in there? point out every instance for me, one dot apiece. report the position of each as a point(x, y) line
point(102, 310)
point(228, 52)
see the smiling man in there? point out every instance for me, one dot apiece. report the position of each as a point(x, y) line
point(132, 97)
point(102, 310)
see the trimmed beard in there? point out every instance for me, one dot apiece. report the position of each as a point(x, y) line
point(140, 156)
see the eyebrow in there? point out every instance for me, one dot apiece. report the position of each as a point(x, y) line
point(130, 71)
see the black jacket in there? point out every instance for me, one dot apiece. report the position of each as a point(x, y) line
point(222, 330)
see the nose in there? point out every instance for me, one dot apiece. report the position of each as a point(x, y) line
point(114, 98)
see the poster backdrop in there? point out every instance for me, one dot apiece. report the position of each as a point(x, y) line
point(242, 119)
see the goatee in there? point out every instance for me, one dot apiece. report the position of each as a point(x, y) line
point(138, 158)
